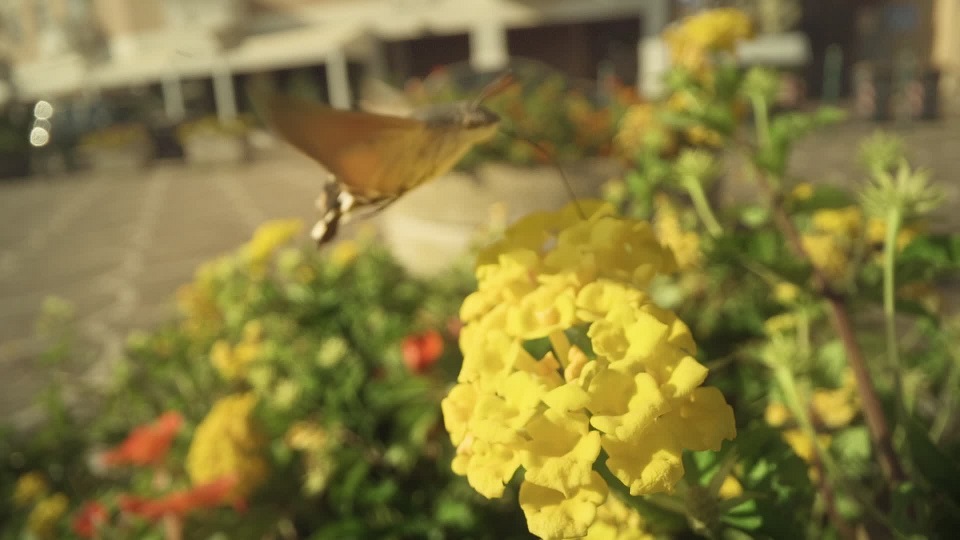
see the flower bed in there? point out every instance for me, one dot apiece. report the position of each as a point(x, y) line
point(210, 141)
point(119, 148)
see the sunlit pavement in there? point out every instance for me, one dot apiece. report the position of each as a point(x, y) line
point(831, 156)
point(117, 246)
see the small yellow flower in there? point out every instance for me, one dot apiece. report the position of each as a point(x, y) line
point(617, 521)
point(232, 362)
point(552, 514)
point(641, 128)
point(786, 293)
point(836, 408)
point(30, 487)
point(332, 350)
point(694, 39)
point(830, 408)
point(846, 222)
point(877, 232)
point(315, 443)
point(268, 237)
point(776, 414)
point(228, 442)
point(802, 191)
point(803, 445)
point(561, 451)
point(344, 253)
point(307, 436)
point(685, 245)
point(781, 323)
point(43, 519)
point(827, 253)
point(731, 488)
point(704, 136)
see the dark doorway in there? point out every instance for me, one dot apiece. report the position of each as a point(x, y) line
point(582, 49)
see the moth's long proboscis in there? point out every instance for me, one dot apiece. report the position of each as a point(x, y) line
point(501, 83)
point(563, 177)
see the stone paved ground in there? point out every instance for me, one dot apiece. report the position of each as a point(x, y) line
point(118, 245)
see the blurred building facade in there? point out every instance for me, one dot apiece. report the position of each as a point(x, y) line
point(76, 47)
point(70, 47)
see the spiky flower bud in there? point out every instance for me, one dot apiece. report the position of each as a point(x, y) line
point(761, 83)
point(696, 165)
point(881, 151)
point(906, 191)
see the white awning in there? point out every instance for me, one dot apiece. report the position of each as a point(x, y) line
point(277, 50)
point(292, 48)
point(60, 76)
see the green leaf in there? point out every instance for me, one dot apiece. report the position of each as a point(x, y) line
point(754, 216)
point(853, 450)
point(935, 250)
point(770, 467)
point(455, 513)
point(941, 470)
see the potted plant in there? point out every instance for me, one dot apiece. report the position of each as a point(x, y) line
point(210, 140)
point(120, 147)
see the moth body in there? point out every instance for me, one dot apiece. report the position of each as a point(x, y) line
point(376, 158)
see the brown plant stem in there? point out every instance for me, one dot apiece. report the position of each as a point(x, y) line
point(876, 420)
point(844, 530)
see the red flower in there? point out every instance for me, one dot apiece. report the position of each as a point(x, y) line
point(181, 503)
point(147, 444)
point(421, 351)
point(91, 516)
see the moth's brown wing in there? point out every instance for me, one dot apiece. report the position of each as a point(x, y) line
point(360, 149)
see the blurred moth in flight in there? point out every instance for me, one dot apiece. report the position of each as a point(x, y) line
point(376, 157)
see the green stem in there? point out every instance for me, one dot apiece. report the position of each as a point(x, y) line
point(702, 207)
point(873, 412)
point(822, 459)
point(889, 300)
point(788, 385)
point(761, 120)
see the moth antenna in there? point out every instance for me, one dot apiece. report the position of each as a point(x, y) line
point(501, 83)
point(563, 177)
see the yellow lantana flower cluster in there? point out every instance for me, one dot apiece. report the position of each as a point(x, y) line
point(641, 127)
point(232, 361)
point(835, 231)
point(316, 444)
point(694, 38)
point(830, 408)
point(29, 488)
point(46, 515)
point(228, 443)
point(685, 245)
point(267, 239)
point(636, 394)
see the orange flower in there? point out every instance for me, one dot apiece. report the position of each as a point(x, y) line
point(422, 351)
point(147, 444)
point(91, 517)
point(181, 503)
